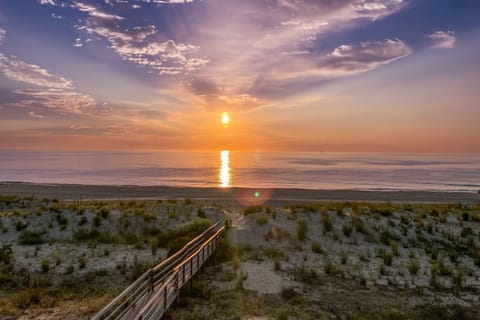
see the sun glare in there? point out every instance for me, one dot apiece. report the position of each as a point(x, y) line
point(225, 175)
point(225, 118)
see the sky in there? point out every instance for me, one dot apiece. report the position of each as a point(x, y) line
point(293, 75)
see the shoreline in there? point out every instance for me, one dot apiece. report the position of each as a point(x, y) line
point(244, 196)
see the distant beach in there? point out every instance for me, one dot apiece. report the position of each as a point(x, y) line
point(228, 196)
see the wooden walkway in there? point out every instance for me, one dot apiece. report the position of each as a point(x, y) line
point(152, 293)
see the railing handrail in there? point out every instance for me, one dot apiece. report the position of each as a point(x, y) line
point(174, 276)
point(127, 296)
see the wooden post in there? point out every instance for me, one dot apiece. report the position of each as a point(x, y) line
point(191, 268)
point(183, 274)
point(177, 288)
point(165, 298)
point(152, 280)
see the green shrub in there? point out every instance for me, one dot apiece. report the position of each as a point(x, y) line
point(253, 209)
point(277, 265)
point(45, 265)
point(84, 235)
point(359, 225)
point(83, 220)
point(153, 245)
point(386, 237)
point(19, 225)
point(343, 257)
point(288, 293)
point(6, 254)
point(104, 213)
point(201, 213)
point(82, 261)
point(347, 229)
point(30, 238)
point(302, 228)
point(387, 258)
point(458, 278)
point(394, 247)
point(172, 214)
point(305, 275)
point(261, 219)
point(328, 267)
point(70, 269)
point(405, 220)
point(327, 223)
point(413, 267)
point(61, 220)
point(383, 269)
point(317, 247)
point(339, 211)
point(283, 315)
point(177, 238)
point(25, 298)
point(97, 221)
point(444, 270)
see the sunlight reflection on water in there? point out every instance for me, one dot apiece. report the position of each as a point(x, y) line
point(225, 175)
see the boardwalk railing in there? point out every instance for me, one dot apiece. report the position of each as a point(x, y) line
point(153, 292)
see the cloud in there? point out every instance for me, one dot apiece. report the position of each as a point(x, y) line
point(166, 57)
point(54, 92)
point(373, 9)
point(171, 1)
point(237, 103)
point(443, 39)
point(133, 44)
point(254, 56)
point(297, 72)
point(94, 11)
point(61, 101)
point(49, 2)
point(364, 56)
point(17, 70)
point(78, 43)
point(34, 115)
point(3, 35)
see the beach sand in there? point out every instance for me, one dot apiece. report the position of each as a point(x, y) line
point(229, 196)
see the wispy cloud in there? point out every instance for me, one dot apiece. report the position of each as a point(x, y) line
point(3, 35)
point(135, 44)
point(58, 100)
point(443, 39)
point(51, 91)
point(95, 11)
point(365, 56)
point(34, 115)
point(296, 72)
point(15, 69)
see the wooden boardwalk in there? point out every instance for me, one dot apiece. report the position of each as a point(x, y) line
point(152, 293)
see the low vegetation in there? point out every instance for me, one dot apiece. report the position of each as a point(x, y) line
point(335, 260)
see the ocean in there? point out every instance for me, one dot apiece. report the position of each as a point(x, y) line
point(357, 171)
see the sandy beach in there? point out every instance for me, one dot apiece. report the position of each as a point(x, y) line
point(229, 196)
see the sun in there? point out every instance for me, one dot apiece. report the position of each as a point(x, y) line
point(225, 118)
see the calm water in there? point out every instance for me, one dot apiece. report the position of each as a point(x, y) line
point(242, 169)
